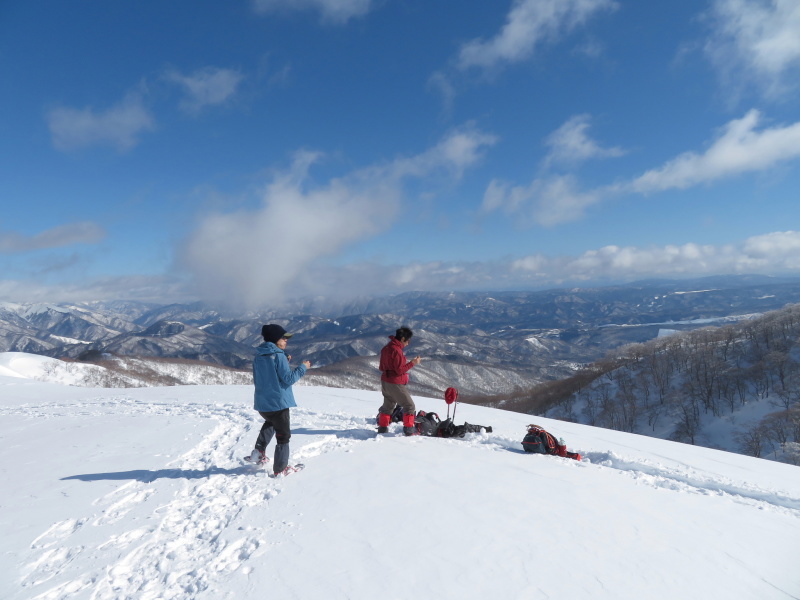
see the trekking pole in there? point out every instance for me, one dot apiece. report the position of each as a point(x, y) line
point(451, 396)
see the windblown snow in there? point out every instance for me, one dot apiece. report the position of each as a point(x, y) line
point(141, 493)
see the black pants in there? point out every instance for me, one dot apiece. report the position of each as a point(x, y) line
point(277, 424)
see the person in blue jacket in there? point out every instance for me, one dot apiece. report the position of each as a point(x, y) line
point(273, 379)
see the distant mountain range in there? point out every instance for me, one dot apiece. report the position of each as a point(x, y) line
point(483, 343)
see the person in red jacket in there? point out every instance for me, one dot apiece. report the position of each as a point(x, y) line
point(394, 376)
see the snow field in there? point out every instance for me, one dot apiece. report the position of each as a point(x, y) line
point(143, 495)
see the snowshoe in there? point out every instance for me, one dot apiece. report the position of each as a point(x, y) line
point(289, 470)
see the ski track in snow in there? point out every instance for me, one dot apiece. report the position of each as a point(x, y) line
point(187, 533)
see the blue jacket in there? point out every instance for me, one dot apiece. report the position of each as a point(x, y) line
point(273, 378)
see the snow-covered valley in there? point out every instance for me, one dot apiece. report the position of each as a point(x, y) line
point(141, 493)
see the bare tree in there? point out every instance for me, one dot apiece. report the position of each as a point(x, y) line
point(752, 440)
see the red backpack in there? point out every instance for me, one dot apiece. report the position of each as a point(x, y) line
point(537, 440)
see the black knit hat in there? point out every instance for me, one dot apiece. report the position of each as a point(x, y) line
point(272, 333)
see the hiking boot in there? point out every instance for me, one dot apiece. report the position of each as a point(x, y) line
point(383, 422)
point(409, 426)
point(257, 457)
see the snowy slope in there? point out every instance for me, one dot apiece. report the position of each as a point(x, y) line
point(120, 371)
point(140, 493)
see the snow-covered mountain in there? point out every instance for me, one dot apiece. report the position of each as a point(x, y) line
point(490, 342)
point(141, 494)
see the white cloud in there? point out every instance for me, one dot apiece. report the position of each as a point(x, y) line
point(119, 126)
point(439, 82)
point(740, 148)
point(267, 265)
point(570, 144)
point(210, 86)
point(529, 24)
point(781, 246)
point(758, 40)
point(551, 199)
point(263, 255)
point(459, 150)
point(334, 11)
point(773, 253)
point(546, 201)
point(64, 235)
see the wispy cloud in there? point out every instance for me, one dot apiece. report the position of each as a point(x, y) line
point(529, 24)
point(546, 201)
point(553, 198)
point(210, 86)
point(132, 287)
point(64, 235)
point(461, 149)
point(261, 255)
point(119, 126)
point(570, 144)
point(333, 11)
point(758, 41)
point(739, 148)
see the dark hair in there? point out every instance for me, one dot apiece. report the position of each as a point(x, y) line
point(403, 334)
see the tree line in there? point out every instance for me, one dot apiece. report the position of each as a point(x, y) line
point(679, 381)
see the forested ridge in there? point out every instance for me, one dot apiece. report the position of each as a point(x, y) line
point(682, 386)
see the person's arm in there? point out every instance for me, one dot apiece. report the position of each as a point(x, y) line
point(398, 365)
point(286, 374)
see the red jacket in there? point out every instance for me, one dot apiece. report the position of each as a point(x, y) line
point(394, 366)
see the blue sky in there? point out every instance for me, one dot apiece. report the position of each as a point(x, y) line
point(254, 150)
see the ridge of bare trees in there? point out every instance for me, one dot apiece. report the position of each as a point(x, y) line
point(686, 379)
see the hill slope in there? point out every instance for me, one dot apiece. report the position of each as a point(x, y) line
point(735, 387)
point(141, 494)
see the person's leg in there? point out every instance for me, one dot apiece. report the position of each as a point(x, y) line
point(386, 409)
point(266, 433)
point(283, 433)
point(400, 396)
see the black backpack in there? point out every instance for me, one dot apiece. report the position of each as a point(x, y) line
point(431, 425)
point(540, 441)
point(427, 423)
point(397, 414)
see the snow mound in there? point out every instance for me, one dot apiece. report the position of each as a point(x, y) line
point(43, 368)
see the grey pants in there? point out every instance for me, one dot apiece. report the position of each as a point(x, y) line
point(277, 424)
point(395, 394)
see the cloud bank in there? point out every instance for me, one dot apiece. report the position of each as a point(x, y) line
point(776, 253)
